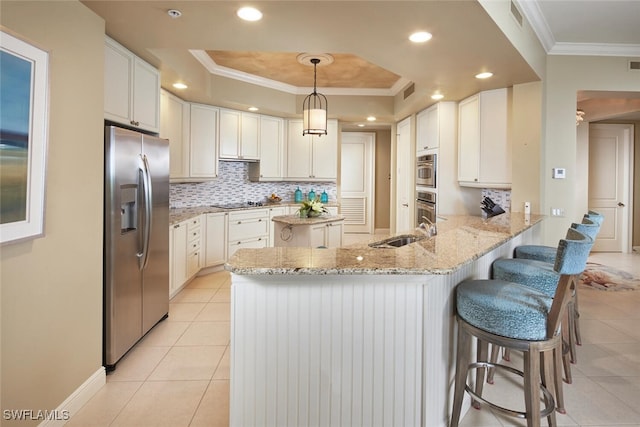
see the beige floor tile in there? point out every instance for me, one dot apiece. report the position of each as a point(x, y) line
point(138, 364)
point(215, 312)
point(594, 331)
point(164, 334)
point(222, 295)
point(627, 389)
point(188, 363)
point(194, 295)
point(105, 405)
point(214, 408)
point(600, 360)
point(206, 333)
point(480, 418)
point(184, 311)
point(162, 403)
point(626, 326)
point(210, 281)
point(223, 371)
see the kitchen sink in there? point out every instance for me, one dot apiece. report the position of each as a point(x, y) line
point(397, 241)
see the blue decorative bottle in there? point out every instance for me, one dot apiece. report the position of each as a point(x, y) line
point(298, 196)
point(312, 195)
point(324, 197)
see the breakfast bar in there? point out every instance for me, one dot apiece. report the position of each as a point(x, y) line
point(357, 335)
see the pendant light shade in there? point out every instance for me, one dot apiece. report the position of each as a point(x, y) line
point(314, 109)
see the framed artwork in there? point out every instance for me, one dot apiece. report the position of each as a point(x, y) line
point(24, 92)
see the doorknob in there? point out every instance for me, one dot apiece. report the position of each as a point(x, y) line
point(406, 205)
point(621, 204)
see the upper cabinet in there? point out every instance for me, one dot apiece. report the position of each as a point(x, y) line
point(484, 150)
point(427, 129)
point(271, 164)
point(174, 126)
point(131, 89)
point(312, 158)
point(239, 135)
point(203, 142)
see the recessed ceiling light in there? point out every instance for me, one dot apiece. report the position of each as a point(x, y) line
point(174, 13)
point(437, 96)
point(420, 37)
point(253, 108)
point(371, 119)
point(180, 85)
point(249, 14)
point(484, 75)
point(360, 125)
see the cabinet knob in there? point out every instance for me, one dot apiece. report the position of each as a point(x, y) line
point(239, 222)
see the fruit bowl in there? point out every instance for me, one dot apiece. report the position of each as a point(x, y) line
point(274, 199)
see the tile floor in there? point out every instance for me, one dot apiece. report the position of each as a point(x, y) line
point(179, 374)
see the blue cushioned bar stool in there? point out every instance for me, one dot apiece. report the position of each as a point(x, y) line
point(521, 318)
point(541, 276)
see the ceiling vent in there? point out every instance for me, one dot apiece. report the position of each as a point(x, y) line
point(634, 65)
point(516, 13)
point(409, 90)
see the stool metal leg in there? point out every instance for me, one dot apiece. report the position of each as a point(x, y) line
point(462, 366)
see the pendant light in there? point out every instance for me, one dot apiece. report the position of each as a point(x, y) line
point(314, 109)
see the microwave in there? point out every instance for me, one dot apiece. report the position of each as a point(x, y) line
point(426, 170)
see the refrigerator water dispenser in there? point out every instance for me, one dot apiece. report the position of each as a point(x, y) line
point(128, 208)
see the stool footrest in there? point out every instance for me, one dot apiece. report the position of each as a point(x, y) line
point(548, 397)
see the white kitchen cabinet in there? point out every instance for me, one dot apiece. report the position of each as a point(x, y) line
point(131, 89)
point(272, 160)
point(484, 149)
point(216, 239)
point(312, 158)
point(328, 235)
point(275, 211)
point(174, 126)
point(185, 253)
point(248, 228)
point(427, 130)
point(203, 154)
point(194, 246)
point(239, 135)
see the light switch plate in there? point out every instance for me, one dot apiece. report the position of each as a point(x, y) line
point(559, 173)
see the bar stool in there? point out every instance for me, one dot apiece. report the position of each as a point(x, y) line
point(521, 318)
point(541, 276)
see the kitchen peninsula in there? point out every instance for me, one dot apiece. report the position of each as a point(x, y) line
point(357, 335)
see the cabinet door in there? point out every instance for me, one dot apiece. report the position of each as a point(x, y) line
point(178, 261)
point(174, 126)
point(281, 210)
point(298, 152)
point(325, 153)
point(146, 96)
point(495, 151)
point(334, 235)
point(216, 239)
point(203, 157)
point(249, 136)
point(271, 148)
point(258, 243)
point(317, 235)
point(229, 136)
point(468, 139)
point(432, 131)
point(118, 82)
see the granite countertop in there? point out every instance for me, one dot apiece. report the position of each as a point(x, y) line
point(296, 220)
point(181, 214)
point(460, 240)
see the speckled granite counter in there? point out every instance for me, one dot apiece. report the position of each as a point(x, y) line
point(460, 239)
point(296, 220)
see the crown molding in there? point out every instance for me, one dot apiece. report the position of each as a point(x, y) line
point(595, 49)
point(230, 73)
point(532, 12)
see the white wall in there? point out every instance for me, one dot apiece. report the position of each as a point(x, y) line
point(51, 293)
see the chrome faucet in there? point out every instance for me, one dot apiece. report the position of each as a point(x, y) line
point(431, 230)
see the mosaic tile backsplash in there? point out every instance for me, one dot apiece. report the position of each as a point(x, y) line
point(499, 197)
point(233, 186)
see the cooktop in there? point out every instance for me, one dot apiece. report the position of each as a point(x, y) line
point(236, 205)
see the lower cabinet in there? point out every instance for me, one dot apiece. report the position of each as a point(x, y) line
point(248, 229)
point(328, 235)
point(276, 211)
point(185, 253)
point(216, 239)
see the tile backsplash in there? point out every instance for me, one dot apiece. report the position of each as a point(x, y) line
point(233, 186)
point(499, 197)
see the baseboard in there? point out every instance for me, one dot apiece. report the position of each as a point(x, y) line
point(72, 404)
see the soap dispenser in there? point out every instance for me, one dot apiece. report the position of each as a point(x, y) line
point(312, 195)
point(298, 196)
point(324, 197)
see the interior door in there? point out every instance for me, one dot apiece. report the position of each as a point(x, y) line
point(404, 177)
point(356, 178)
point(609, 184)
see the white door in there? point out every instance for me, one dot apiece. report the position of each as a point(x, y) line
point(404, 184)
point(610, 159)
point(356, 179)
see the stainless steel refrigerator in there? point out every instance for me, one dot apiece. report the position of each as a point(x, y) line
point(136, 238)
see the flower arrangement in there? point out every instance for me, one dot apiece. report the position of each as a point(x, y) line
point(311, 208)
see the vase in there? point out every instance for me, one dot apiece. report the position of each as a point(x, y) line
point(314, 214)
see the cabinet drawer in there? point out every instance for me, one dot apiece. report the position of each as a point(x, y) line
point(193, 223)
point(193, 246)
point(261, 242)
point(193, 233)
point(247, 215)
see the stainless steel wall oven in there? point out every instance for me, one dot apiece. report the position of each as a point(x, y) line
point(425, 206)
point(426, 170)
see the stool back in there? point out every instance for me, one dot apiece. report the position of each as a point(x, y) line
point(571, 261)
point(594, 216)
point(588, 227)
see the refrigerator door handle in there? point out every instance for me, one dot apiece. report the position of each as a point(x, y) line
point(148, 203)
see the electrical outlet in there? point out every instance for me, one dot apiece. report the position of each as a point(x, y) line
point(557, 211)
